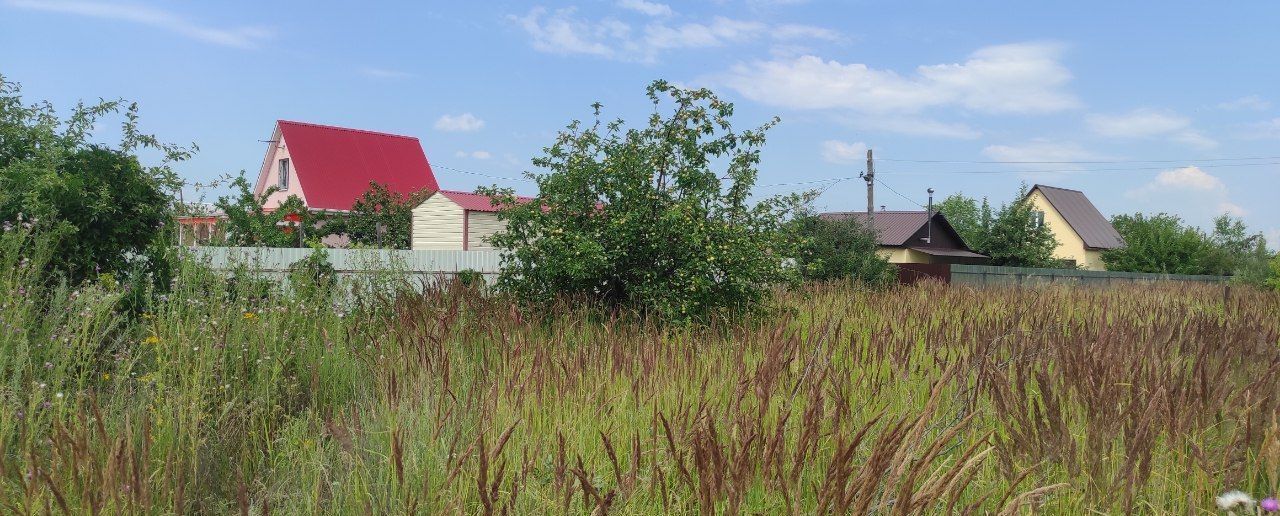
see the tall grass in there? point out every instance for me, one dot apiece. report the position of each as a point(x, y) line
point(226, 397)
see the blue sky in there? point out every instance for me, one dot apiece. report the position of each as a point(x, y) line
point(1166, 98)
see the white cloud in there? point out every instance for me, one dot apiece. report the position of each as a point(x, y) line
point(719, 32)
point(1250, 103)
point(834, 151)
point(561, 32)
point(239, 37)
point(1273, 238)
point(646, 7)
point(1188, 178)
point(1265, 130)
point(564, 32)
point(465, 122)
point(1188, 188)
point(792, 31)
point(383, 73)
point(1010, 78)
point(1149, 123)
point(1139, 123)
point(480, 154)
point(1041, 153)
point(915, 126)
point(1017, 78)
point(1232, 209)
point(1195, 138)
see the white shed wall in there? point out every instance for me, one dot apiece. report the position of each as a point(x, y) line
point(437, 224)
point(481, 226)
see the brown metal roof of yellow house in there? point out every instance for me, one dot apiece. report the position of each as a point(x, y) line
point(1083, 217)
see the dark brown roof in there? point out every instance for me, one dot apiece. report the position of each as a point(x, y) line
point(1083, 217)
point(893, 227)
point(959, 253)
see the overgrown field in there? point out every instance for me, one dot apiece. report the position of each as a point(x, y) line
point(222, 398)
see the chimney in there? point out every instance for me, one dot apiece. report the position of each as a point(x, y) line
point(929, 213)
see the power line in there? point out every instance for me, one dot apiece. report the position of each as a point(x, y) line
point(882, 183)
point(833, 181)
point(460, 171)
point(1082, 162)
point(1064, 170)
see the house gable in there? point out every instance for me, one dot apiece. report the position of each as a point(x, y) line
point(1079, 215)
point(269, 174)
point(334, 165)
point(1072, 246)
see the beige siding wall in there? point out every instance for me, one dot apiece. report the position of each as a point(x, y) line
point(904, 255)
point(269, 175)
point(1070, 245)
point(1093, 260)
point(482, 225)
point(437, 224)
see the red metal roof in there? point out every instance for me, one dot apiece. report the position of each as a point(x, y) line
point(476, 202)
point(335, 164)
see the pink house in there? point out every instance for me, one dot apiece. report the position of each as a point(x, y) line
point(329, 167)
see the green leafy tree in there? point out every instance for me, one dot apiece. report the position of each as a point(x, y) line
point(1237, 252)
point(1164, 244)
point(380, 218)
point(842, 249)
point(1009, 236)
point(1159, 243)
point(967, 217)
point(248, 223)
point(1273, 280)
point(107, 210)
point(1013, 237)
point(656, 218)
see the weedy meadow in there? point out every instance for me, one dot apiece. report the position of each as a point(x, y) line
point(229, 393)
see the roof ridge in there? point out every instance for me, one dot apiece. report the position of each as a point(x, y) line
point(877, 211)
point(462, 192)
point(1038, 185)
point(349, 129)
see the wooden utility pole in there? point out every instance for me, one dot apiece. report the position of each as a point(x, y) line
point(870, 176)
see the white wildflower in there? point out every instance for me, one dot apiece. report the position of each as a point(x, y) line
point(1231, 500)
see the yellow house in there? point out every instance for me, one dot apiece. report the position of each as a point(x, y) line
point(1082, 232)
point(915, 237)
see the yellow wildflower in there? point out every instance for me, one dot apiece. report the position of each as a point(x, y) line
point(250, 315)
point(106, 376)
point(152, 339)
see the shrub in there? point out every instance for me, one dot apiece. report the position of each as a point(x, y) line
point(313, 274)
point(841, 250)
point(1274, 280)
point(379, 218)
point(656, 218)
point(249, 223)
point(469, 278)
point(99, 202)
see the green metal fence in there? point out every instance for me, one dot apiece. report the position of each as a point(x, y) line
point(991, 275)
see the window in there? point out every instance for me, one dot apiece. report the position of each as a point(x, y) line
point(1037, 218)
point(284, 174)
